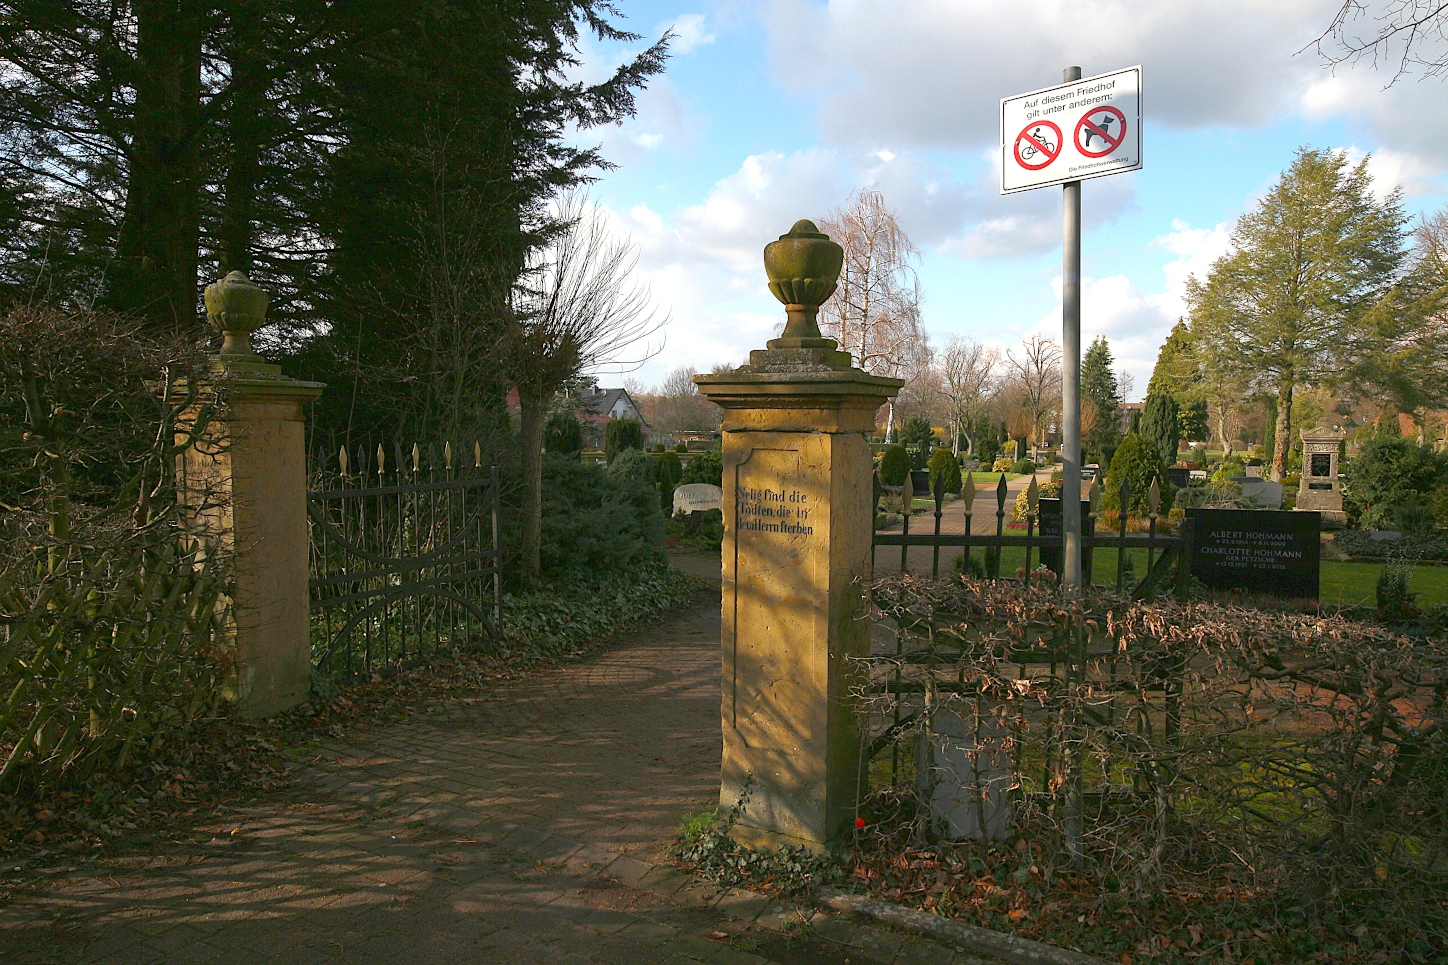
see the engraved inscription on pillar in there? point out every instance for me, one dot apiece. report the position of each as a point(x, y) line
point(775, 521)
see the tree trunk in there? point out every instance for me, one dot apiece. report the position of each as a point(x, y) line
point(1282, 438)
point(245, 132)
point(890, 421)
point(533, 410)
point(154, 274)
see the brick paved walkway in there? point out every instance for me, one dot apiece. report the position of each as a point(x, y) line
point(952, 521)
point(526, 824)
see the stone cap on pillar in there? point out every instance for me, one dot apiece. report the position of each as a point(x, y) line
point(801, 380)
point(236, 307)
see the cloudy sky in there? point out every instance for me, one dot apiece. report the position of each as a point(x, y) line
point(774, 110)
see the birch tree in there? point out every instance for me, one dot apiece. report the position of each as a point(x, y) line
point(875, 311)
point(968, 373)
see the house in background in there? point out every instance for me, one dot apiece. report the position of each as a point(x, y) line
point(1129, 412)
point(593, 408)
point(597, 406)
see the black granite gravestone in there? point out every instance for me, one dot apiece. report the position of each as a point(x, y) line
point(1050, 510)
point(1263, 551)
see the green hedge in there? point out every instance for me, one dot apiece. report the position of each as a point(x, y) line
point(571, 615)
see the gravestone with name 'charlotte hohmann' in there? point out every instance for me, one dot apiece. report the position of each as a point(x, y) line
point(1260, 551)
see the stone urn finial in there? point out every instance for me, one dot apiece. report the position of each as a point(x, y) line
point(236, 308)
point(803, 268)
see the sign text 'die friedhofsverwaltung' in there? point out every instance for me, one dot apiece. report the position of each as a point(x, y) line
point(1084, 129)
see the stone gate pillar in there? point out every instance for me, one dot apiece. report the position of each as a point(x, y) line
point(244, 488)
point(798, 525)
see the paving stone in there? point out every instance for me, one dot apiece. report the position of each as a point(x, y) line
point(521, 825)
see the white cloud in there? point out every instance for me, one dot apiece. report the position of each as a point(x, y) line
point(1195, 250)
point(926, 73)
point(704, 264)
point(931, 73)
point(1390, 169)
point(1134, 322)
point(689, 33)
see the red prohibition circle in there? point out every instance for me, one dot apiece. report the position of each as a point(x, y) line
point(1033, 151)
point(1093, 130)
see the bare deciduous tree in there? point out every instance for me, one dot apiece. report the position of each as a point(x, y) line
point(969, 378)
point(677, 406)
point(875, 311)
point(578, 307)
point(1037, 375)
point(1407, 35)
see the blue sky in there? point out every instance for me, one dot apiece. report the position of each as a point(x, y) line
point(775, 110)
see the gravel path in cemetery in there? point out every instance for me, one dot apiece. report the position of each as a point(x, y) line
point(525, 824)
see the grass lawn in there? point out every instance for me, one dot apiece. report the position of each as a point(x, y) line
point(1342, 583)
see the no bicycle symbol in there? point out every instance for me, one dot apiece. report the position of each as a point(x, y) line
point(1100, 131)
point(1038, 145)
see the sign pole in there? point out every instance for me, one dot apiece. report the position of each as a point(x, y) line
point(1071, 379)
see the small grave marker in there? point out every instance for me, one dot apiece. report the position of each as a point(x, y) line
point(1051, 526)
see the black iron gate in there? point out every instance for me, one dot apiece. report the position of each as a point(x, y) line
point(404, 556)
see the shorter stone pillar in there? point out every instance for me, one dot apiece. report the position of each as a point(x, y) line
point(1321, 489)
point(243, 484)
point(798, 526)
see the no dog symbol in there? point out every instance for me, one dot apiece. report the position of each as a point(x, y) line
point(1100, 131)
point(1038, 145)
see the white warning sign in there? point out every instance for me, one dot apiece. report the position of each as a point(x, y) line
point(1084, 129)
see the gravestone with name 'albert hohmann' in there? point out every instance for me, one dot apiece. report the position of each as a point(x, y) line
point(1257, 550)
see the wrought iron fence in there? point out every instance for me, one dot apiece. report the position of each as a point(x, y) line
point(1164, 550)
point(911, 667)
point(404, 555)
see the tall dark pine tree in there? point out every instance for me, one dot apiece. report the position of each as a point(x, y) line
point(455, 125)
point(1160, 425)
point(1100, 388)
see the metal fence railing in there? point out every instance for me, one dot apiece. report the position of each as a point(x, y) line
point(404, 555)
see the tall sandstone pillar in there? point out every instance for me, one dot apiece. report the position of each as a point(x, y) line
point(244, 486)
point(798, 524)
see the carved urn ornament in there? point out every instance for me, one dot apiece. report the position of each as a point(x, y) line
point(236, 308)
point(803, 268)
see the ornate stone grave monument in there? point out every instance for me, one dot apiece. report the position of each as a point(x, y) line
point(1320, 490)
point(797, 534)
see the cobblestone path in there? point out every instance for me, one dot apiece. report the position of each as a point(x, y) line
point(526, 824)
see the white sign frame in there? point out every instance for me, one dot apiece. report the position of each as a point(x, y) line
point(1062, 114)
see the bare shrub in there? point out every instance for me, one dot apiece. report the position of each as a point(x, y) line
point(110, 617)
point(1184, 754)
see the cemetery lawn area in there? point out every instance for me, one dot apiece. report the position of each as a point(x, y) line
point(1347, 583)
point(1343, 583)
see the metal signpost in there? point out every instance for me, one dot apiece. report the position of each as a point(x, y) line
point(1064, 135)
